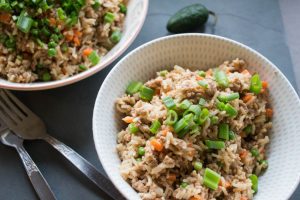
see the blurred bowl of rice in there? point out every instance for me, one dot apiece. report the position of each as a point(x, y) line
point(198, 52)
point(51, 46)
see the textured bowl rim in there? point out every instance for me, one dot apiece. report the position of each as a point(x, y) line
point(108, 77)
point(82, 75)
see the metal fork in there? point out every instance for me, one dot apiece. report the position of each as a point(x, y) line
point(38, 182)
point(29, 126)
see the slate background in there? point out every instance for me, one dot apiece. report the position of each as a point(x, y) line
point(68, 111)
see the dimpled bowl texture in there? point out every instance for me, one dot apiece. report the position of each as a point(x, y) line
point(201, 51)
point(135, 17)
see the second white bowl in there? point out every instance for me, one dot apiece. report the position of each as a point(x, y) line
point(203, 51)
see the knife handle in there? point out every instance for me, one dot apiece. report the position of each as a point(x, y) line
point(85, 167)
point(38, 182)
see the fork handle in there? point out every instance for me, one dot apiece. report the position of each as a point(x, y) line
point(85, 167)
point(40, 185)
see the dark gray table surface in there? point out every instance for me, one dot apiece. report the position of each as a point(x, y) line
point(68, 111)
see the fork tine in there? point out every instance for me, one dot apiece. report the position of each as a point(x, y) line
point(5, 110)
point(24, 108)
point(11, 105)
point(4, 116)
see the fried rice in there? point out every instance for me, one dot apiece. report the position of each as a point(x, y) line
point(160, 162)
point(76, 30)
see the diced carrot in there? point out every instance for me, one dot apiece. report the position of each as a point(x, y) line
point(199, 78)
point(128, 119)
point(265, 84)
point(77, 33)
point(196, 197)
point(244, 198)
point(76, 41)
point(245, 71)
point(164, 132)
point(269, 112)
point(5, 18)
point(157, 145)
point(52, 21)
point(247, 97)
point(87, 51)
point(69, 37)
point(191, 153)
point(171, 177)
point(243, 154)
point(208, 73)
point(228, 71)
point(157, 91)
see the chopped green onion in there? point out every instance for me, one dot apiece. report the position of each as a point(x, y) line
point(133, 128)
point(229, 97)
point(185, 104)
point(255, 85)
point(214, 144)
point(51, 52)
point(221, 78)
point(184, 185)
point(34, 32)
point(231, 135)
point(24, 23)
point(61, 14)
point(109, 17)
point(202, 102)
point(182, 133)
point(211, 179)
point(214, 119)
point(46, 76)
point(223, 131)
point(220, 105)
point(116, 36)
point(40, 43)
point(194, 129)
point(248, 129)
point(64, 47)
point(10, 43)
point(202, 73)
point(204, 115)
point(195, 109)
point(163, 73)
point(146, 93)
point(96, 5)
point(172, 117)
point(203, 83)
point(254, 152)
point(183, 123)
point(141, 151)
point(138, 159)
point(155, 126)
point(123, 8)
point(82, 67)
point(94, 58)
point(133, 87)
point(197, 166)
point(231, 111)
point(254, 181)
point(264, 163)
point(169, 102)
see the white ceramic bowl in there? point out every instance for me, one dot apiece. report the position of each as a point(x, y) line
point(203, 51)
point(136, 14)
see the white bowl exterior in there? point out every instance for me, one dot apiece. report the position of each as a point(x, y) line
point(203, 51)
point(136, 14)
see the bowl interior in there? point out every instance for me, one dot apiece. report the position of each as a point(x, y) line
point(136, 13)
point(199, 51)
